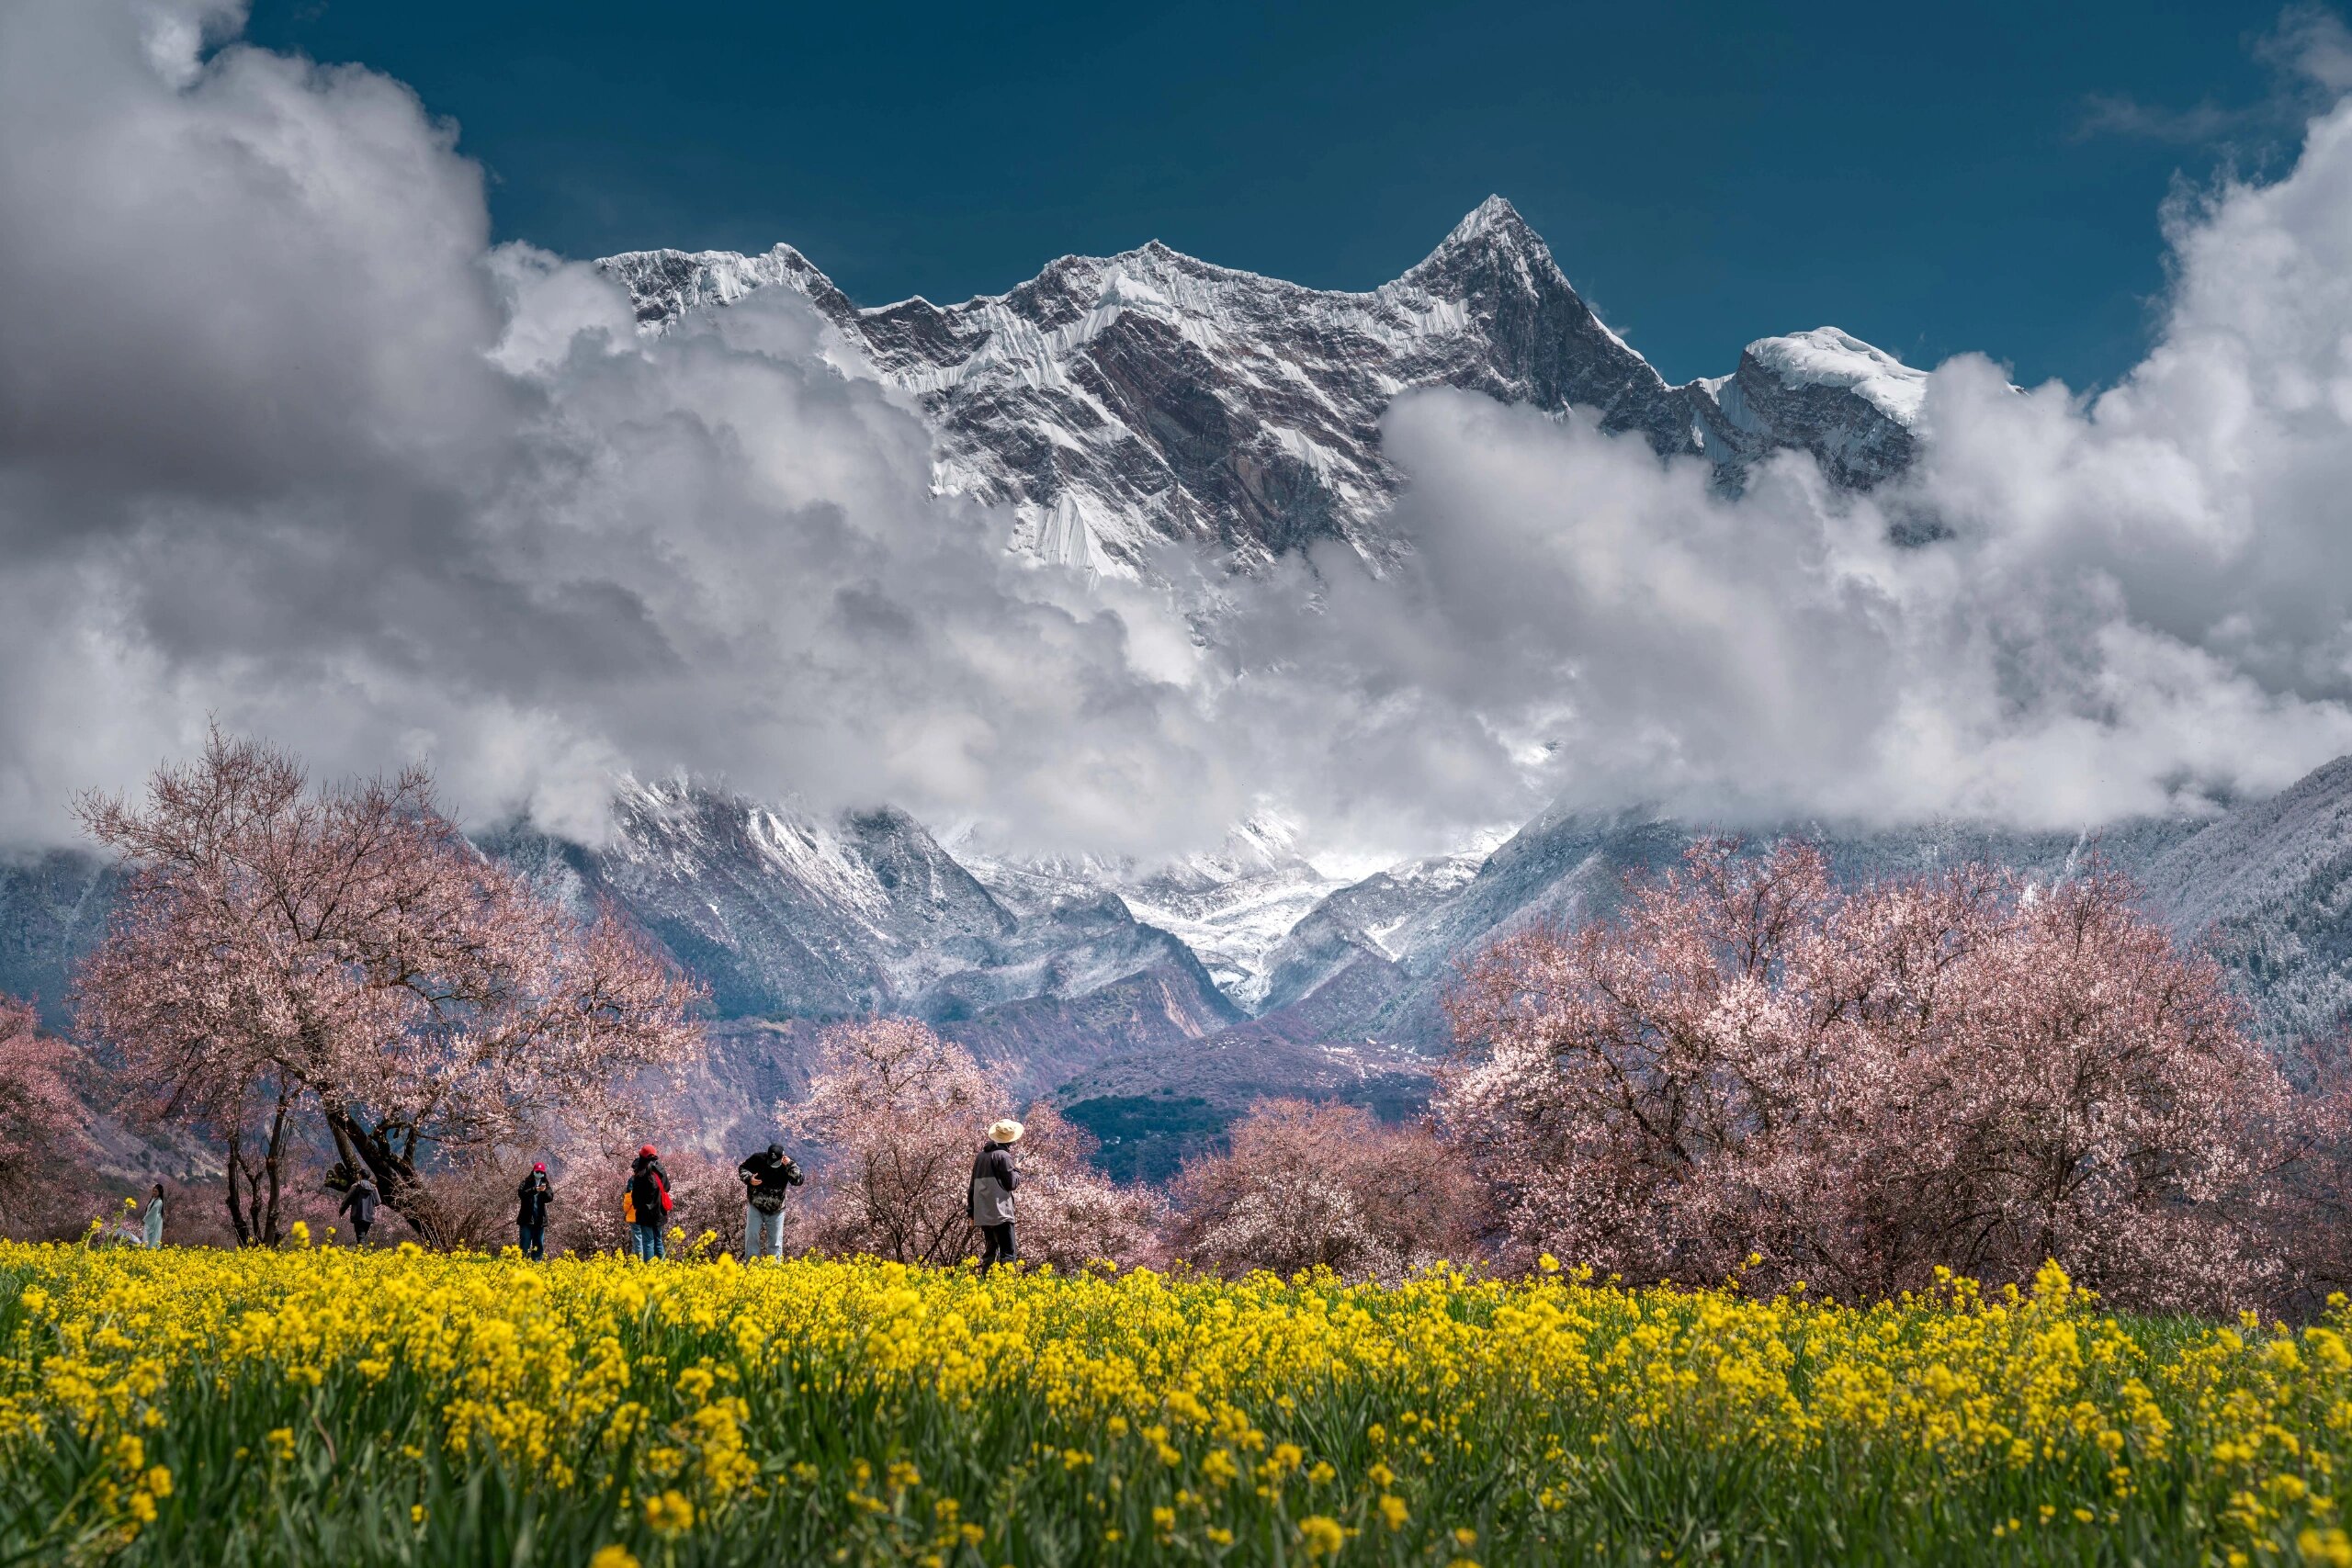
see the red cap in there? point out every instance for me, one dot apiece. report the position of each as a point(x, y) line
point(647, 1153)
point(538, 1171)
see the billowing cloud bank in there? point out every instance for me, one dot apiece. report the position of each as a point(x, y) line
point(284, 439)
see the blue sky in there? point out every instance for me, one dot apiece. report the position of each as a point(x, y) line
point(1932, 178)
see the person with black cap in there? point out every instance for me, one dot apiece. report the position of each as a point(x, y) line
point(531, 1213)
point(767, 1177)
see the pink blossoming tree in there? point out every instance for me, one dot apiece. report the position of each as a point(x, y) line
point(1962, 1070)
point(1306, 1186)
point(894, 1115)
point(345, 956)
point(39, 1118)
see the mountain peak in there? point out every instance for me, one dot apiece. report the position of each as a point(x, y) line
point(1495, 212)
point(1115, 404)
point(1493, 220)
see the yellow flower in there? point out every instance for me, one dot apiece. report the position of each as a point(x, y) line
point(1393, 1512)
point(1320, 1536)
point(2330, 1546)
point(613, 1557)
point(670, 1514)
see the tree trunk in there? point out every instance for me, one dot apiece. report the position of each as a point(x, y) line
point(397, 1186)
point(237, 1210)
point(274, 1163)
point(255, 1219)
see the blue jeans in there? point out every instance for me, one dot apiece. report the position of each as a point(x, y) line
point(647, 1239)
point(762, 1234)
point(533, 1239)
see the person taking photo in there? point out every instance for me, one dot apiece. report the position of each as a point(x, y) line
point(767, 1177)
point(531, 1213)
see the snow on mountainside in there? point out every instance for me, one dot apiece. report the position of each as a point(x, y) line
point(788, 915)
point(2268, 888)
point(1232, 907)
point(793, 921)
point(1852, 406)
point(1332, 983)
point(1118, 403)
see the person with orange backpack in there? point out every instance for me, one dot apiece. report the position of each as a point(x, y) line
point(645, 1202)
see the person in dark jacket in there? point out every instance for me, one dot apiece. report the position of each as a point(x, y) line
point(993, 1179)
point(531, 1213)
point(649, 1201)
point(360, 1200)
point(767, 1176)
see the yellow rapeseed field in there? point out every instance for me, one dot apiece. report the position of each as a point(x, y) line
point(330, 1406)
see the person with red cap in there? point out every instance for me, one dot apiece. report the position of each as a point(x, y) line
point(531, 1216)
point(648, 1198)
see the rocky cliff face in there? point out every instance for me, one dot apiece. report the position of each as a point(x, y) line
point(2268, 889)
point(791, 917)
point(1117, 404)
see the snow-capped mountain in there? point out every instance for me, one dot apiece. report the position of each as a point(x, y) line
point(785, 914)
point(1852, 406)
point(1232, 907)
point(2268, 888)
point(1117, 403)
point(1373, 962)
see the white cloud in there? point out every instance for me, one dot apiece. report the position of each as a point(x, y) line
point(283, 439)
point(2144, 603)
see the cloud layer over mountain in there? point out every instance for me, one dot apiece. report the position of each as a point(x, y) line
point(284, 439)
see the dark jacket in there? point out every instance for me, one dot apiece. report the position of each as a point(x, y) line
point(360, 1200)
point(765, 1177)
point(993, 1179)
point(649, 1191)
point(533, 1197)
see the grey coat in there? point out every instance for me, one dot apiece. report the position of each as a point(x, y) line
point(993, 1179)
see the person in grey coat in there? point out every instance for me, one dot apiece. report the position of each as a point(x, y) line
point(154, 1218)
point(360, 1200)
point(993, 1180)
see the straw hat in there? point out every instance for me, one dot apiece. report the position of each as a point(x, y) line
point(1006, 1132)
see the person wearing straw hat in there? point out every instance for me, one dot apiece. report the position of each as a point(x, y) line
point(993, 1179)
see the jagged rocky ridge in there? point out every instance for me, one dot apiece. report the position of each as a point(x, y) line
point(1117, 404)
